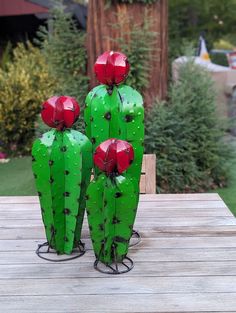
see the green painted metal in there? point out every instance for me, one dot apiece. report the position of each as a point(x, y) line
point(62, 162)
point(117, 114)
point(111, 207)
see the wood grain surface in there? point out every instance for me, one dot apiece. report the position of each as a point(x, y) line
point(186, 261)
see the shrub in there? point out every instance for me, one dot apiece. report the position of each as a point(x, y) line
point(23, 85)
point(185, 134)
point(6, 55)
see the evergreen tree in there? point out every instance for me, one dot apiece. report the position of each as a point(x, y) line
point(186, 136)
point(64, 48)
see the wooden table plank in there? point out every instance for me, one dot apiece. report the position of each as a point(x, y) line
point(18, 213)
point(190, 204)
point(121, 302)
point(142, 269)
point(144, 223)
point(113, 285)
point(186, 261)
point(16, 233)
point(181, 196)
point(183, 204)
point(146, 243)
point(32, 211)
point(138, 255)
point(148, 197)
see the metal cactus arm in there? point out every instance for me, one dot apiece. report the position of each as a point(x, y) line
point(62, 163)
point(102, 115)
point(85, 169)
point(94, 208)
point(132, 117)
point(41, 162)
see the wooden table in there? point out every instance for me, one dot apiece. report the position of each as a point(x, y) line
point(186, 262)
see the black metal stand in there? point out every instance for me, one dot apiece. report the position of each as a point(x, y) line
point(137, 236)
point(50, 251)
point(116, 268)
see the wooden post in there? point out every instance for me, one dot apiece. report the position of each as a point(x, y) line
point(100, 32)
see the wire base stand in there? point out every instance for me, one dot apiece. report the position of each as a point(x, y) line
point(136, 238)
point(116, 268)
point(44, 251)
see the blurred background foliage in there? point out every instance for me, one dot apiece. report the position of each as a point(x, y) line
point(54, 64)
point(184, 132)
point(63, 46)
point(213, 18)
point(186, 135)
point(138, 45)
point(24, 82)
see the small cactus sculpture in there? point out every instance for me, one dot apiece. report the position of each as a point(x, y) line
point(111, 202)
point(61, 163)
point(116, 111)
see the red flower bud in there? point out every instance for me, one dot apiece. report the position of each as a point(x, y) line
point(113, 156)
point(60, 112)
point(111, 68)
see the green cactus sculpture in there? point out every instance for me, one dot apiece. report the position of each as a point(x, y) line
point(62, 161)
point(116, 111)
point(111, 202)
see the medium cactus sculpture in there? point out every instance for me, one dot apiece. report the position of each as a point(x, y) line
point(61, 163)
point(111, 203)
point(116, 111)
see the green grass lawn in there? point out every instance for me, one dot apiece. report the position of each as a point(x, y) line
point(17, 180)
point(228, 194)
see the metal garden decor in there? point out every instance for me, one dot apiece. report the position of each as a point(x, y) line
point(62, 162)
point(115, 110)
point(111, 204)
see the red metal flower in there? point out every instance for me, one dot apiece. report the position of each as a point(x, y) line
point(60, 112)
point(111, 68)
point(113, 156)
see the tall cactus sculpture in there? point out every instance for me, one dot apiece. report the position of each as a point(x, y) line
point(62, 161)
point(111, 203)
point(114, 110)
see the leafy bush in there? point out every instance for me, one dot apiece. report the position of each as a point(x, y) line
point(6, 55)
point(40, 127)
point(23, 85)
point(185, 134)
